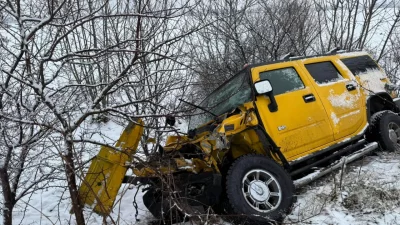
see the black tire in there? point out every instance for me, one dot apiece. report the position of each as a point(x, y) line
point(156, 204)
point(372, 133)
point(152, 201)
point(385, 129)
point(236, 190)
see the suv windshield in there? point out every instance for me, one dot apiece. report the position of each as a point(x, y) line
point(225, 98)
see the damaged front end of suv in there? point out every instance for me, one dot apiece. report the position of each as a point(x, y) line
point(189, 171)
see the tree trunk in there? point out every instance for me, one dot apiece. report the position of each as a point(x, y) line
point(72, 186)
point(9, 197)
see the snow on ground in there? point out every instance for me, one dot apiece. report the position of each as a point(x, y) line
point(368, 194)
point(53, 206)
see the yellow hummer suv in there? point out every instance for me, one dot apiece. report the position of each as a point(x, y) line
point(262, 133)
point(270, 125)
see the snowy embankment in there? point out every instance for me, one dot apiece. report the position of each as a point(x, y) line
point(368, 193)
point(52, 206)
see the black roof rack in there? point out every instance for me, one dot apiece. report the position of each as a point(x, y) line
point(287, 56)
point(334, 50)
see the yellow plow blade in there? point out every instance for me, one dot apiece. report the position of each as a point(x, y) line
point(100, 187)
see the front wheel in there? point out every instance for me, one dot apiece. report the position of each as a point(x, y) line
point(259, 189)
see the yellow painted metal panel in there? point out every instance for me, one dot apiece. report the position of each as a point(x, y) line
point(297, 126)
point(346, 109)
point(100, 187)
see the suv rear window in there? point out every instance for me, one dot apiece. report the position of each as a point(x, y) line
point(324, 72)
point(283, 80)
point(360, 64)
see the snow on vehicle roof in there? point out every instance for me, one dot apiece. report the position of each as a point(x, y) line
point(353, 54)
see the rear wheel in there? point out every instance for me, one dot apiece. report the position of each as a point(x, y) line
point(385, 128)
point(259, 190)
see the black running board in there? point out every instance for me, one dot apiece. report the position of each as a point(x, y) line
point(338, 164)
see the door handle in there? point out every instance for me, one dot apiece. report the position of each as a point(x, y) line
point(309, 98)
point(350, 87)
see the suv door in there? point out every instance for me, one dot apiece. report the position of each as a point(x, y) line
point(300, 125)
point(340, 95)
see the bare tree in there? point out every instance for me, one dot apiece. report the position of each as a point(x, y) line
point(251, 31)
point(59, 59)
point(23, 166)
point(391, 59)
point(353, 24)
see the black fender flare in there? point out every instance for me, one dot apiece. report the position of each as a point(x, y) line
point(381, 101)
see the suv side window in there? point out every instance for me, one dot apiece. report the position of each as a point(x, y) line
point(283, 80)
point(324, 72)
point(360, 64)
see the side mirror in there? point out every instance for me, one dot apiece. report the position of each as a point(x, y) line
point(263, 87)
